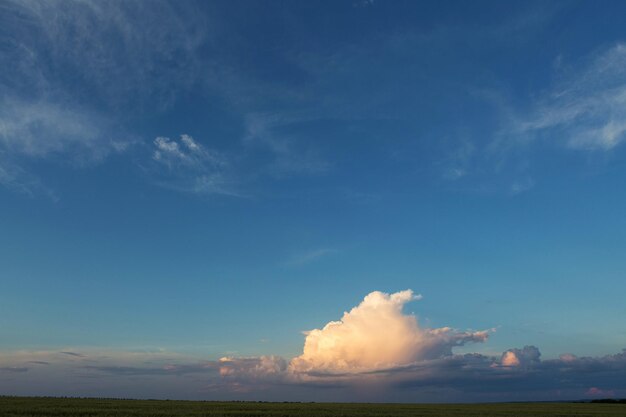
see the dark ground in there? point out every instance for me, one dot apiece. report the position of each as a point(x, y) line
point(60, 407)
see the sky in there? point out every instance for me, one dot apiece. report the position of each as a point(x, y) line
point(313, 201)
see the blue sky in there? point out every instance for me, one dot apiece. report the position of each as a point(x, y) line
point(208, 180)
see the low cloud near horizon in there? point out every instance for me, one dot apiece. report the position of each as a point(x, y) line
point(374, 347)
point(376, 335)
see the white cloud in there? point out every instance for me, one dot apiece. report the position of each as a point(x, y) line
point(186, 153)
point(40, 129)
point(75, 72)
point(34, 130)
point(117, 50)
point(587, 110)
point(377, 335)
point(412, 362)
point(189, 166)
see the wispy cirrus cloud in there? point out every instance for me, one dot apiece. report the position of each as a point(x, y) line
point(586, 109)
point(289, 154)
point(186, 153)
point(189, 166)
point(98, 69)
point(307, 257)
point(17, 179)
point(32, 131)
point(107, 54)
point(75, 82)
point(582, 109)
point(75, 72)
point(41, 129)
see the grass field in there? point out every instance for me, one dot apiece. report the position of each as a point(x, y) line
point(60, 407)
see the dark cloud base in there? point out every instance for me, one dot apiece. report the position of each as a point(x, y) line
point(452, 378)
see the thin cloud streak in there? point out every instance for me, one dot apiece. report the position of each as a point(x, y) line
point(311, 256)
point(289, 156)
point(75, 354)
point(586, 110)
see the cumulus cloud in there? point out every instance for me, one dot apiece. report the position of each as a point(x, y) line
point(255, 368)
point(567, 357)
point(378, 343)
point(525, 357)
point(413, 364)
point(376, 335)
point(509, 359)
point(517, 374)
